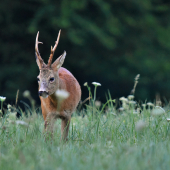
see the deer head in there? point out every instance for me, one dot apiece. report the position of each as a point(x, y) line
point(48, 79)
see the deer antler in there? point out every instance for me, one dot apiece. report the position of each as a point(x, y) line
point(37, 54)
point(53, 50)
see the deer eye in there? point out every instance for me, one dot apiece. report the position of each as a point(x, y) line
point(51, 79)
point(38, 79)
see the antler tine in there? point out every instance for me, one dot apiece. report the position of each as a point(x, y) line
point(36, 44)
point(56, 43)
point(53, 49)
point(37, 51)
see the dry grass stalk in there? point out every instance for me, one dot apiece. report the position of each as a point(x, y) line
point(16, 101)
point(135, 84)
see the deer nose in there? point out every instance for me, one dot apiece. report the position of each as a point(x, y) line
point(42, 93)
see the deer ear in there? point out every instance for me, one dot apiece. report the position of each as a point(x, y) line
point(59, 61)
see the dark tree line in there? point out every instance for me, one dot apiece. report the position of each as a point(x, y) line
point(106, 41)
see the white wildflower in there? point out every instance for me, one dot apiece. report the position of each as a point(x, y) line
point(20, 122)
point(26, 94)
point(150, 104)
point(124, 102)
point(144, 105)
point(97, 103)
point(2, 99)
point(140, 125)
point(168, 119)
point(62, 94)
point(9, 106)
point(123, 99)
point(96, 84)
point(85, 84)
point(132, 102)
point(157, 111)
point(131, 97)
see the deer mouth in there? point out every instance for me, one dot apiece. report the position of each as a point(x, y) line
point(43, 94)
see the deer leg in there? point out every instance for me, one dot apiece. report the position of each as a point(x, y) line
point(65, 123)
point(49, 125)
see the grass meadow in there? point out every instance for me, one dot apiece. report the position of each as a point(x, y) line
point(121, 134)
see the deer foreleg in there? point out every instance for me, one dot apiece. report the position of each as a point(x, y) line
point(49, 125)
point(65, 123)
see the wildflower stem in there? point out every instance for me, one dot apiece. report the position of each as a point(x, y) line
point(90, 95)
point(94, 101)
point(59, 104)
point(1, 107)
point(94, 94)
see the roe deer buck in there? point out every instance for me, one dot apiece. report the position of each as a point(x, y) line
point(53, 77)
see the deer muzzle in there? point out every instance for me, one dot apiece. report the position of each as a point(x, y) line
point(43, 94)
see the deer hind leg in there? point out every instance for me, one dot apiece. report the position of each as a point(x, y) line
point(65, 123)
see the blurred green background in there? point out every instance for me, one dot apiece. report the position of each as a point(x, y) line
point(106, 41)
